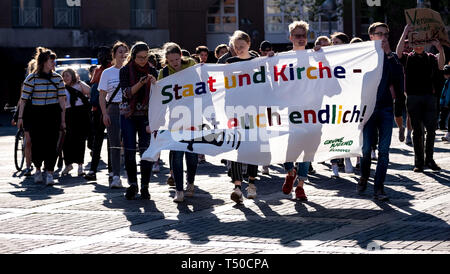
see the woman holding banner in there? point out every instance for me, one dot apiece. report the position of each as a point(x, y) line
point(175, 62)
point(241, 44)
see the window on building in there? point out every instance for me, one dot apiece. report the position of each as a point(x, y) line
point(280, 13)
point(222, 16)
point(143, 14)
point(66, 16)
point(26, 13)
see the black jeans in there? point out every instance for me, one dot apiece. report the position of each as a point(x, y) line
point(44, 131)
point(130, 127)
point(77, 131)
point(423, 113)
point(177, 165)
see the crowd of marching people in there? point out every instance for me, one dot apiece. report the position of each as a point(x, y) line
point(414, 85)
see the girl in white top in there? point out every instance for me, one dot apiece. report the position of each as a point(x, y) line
point(77, 120)
point(109, 81)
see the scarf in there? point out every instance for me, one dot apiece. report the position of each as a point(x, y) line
point(143, 94)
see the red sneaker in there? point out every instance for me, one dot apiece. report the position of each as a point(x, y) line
point(300, 194)
point(289, 183)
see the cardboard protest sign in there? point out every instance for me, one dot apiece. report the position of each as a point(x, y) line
point(428, 26)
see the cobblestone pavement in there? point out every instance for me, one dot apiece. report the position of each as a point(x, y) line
point(79, 217)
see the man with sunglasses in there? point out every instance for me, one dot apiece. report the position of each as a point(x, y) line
point(421, 72)
point(383, 114)
point(298, 31)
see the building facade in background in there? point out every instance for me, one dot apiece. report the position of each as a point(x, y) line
point(79, 27)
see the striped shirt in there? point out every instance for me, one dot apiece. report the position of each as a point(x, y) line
point(42, 91)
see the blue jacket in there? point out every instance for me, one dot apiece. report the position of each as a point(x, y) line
point(445, 96)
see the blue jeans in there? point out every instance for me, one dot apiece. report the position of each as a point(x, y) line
point(381, 121)
point(130, 126)
point(302, 169)
point(177, 165)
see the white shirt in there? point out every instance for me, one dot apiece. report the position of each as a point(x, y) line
point(109, 81)
point(78, 102)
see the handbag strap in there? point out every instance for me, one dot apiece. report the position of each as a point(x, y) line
point(113, 95)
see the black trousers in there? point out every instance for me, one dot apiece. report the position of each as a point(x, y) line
point(423, 112)
point(77, 131)
point(236, 171)
point(44, 131)
point(97, 141)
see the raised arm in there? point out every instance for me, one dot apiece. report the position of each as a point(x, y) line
point(401, 42)
point(441, 55)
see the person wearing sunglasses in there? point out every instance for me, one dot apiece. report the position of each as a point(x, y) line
point(298, 31)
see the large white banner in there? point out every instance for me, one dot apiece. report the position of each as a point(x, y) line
point(295, 106)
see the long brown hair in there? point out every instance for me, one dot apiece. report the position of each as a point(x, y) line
point(137, 47)
point(42, 55)
point(116, 46)
point(73, 74)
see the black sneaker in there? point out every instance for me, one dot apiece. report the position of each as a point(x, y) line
point(170, 181)
point(418, 169)
point(362, 185)
point(132, 191)
point(380, 196)
point(432, 164)
point(90, 177)
point(145, 195)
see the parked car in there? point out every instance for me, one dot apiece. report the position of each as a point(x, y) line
point(80, 65)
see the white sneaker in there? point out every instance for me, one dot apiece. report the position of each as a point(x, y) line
point(155, 168)
point(190, 190)
point(49, 180)
point(374, 155)
point(265, 170)
point(237, 196)
point(116, 182)
point(67, 170)
point(335, 169)
point(348, 166)
point(80, 170)
point(179, 197)
point(38, 177)
point(446, 138)
point(251, 191)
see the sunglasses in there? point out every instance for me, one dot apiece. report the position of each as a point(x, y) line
point(299, 36)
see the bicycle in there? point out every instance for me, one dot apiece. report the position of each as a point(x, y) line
point(19, 144)
point(19, 149)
